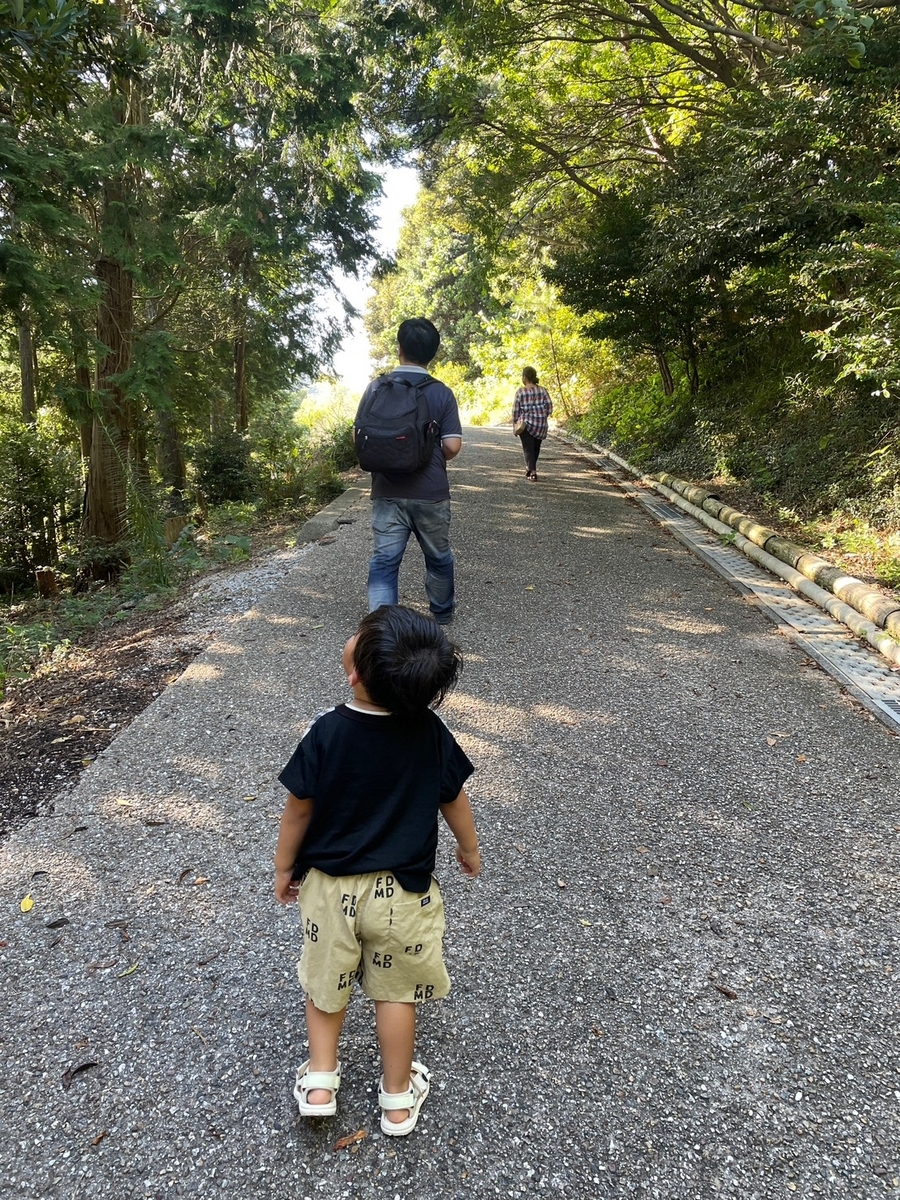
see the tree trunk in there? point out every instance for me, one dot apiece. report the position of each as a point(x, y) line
point(171, 460)
point(238, 261)
point(559, 387)
point(106, 498)
point(83, 388)
point(665, 373)
point(26, 368)
point(241, 409)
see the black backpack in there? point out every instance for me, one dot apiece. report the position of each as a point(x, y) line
point(394, 429)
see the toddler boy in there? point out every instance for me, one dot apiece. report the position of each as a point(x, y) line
point(357, 845)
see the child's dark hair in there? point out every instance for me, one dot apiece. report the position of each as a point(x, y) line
point(405, 661)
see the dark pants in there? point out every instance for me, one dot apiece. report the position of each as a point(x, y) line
point(531, 448)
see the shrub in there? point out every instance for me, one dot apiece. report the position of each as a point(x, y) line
point(223, 469)
point(32, 492)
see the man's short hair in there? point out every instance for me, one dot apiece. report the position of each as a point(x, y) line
point(419, 340)
point(405, 661)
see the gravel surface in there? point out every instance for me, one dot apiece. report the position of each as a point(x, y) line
point(675, 978)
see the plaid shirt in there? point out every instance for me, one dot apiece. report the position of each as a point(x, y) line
point(533, 406)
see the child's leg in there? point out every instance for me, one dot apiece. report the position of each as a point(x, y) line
point(324, 1031)
point(395, 1024)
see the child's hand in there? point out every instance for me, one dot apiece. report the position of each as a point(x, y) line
point(469, 860)
point(285, 888)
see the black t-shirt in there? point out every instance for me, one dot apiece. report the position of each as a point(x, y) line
point(375, 783)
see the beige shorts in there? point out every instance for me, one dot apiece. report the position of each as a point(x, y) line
point(367, 928)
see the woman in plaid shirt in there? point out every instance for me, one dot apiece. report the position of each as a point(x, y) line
point(532, 406)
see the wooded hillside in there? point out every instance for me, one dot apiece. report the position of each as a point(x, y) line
point(685, 214)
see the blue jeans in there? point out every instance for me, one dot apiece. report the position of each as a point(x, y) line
point(392, 523)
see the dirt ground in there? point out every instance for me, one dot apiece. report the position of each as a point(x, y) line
point(56, 722)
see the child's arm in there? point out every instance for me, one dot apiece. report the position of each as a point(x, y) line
point(294, 822)
point(458, 815)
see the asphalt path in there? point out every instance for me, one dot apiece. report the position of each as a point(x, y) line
point(676, 976)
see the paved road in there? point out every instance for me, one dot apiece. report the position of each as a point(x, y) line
point(676, 977)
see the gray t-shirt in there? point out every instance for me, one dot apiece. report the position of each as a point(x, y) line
point(431, 483)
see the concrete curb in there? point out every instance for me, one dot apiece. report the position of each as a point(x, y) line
point(327, 519)
point(750, 538)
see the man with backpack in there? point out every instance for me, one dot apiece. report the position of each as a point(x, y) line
point(407, 428)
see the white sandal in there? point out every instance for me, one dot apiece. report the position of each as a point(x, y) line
point(308, 1081)
point(413, 1099)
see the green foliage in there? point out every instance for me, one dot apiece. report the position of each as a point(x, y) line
point(20, 647)
point(223, 468)
point(634, 416)
point(35, 487)
point(337, 447)
point(441, 272)
point(888, 572)
point(712, 193)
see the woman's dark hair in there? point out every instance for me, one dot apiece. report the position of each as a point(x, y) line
point(405, 661)
point(419, 340)
point(530, 374)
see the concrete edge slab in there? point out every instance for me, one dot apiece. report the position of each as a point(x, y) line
point(327, 519)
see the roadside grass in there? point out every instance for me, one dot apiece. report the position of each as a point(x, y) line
point(37, 632)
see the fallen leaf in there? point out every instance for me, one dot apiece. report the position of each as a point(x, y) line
point(248, 798)
point(153, 821)
point(726, 991)
point(128, 970)
point(530, 587)
point(801, 758)
point(184, 874)
point(27, 904)
point(201, 879)
point(70, 1073)
point(344, 1142)
point(37, 874)
point(771, 741)
point(642, 850)
point(57, 924)
point(99, 1138)
point(102, 966)
point(194, 1029)
point(597, 1032)
point(582, 921)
